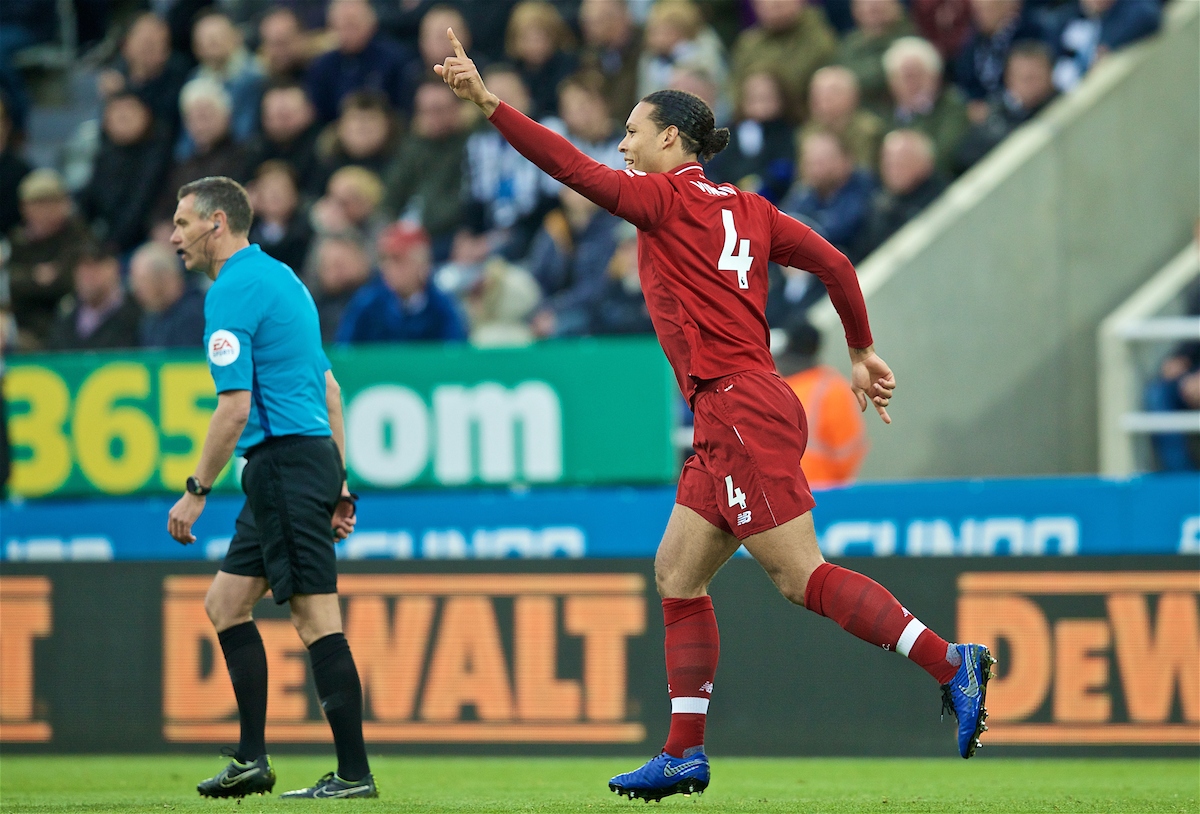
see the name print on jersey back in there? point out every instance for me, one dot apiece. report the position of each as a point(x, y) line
point(722, 191)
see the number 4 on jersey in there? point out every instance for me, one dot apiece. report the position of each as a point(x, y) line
point(736, 496)
point(731, 261)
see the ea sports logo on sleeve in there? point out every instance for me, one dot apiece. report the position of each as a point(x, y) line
point(223, 348)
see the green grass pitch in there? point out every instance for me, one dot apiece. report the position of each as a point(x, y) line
point(136, 784)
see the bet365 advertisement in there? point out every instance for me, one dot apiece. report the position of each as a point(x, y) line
point(579, 412)
point(1097, 655)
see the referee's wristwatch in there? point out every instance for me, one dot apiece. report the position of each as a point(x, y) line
point(194, 487)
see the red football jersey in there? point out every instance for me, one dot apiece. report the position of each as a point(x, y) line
point(703, 250)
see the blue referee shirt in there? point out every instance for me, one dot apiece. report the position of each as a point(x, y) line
point(262, 335)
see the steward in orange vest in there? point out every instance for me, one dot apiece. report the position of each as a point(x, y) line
point(837, 434)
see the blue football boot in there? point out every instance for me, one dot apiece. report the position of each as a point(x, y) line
point(662, 776)
point(965, 694)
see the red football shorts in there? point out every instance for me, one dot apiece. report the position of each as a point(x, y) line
point(749, 435)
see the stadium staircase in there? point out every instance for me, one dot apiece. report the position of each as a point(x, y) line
point(987, 305)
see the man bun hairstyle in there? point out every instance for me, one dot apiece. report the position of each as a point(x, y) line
point(216, 192)
point(692, 117)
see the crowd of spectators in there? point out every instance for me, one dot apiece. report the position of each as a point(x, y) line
point(410, 218)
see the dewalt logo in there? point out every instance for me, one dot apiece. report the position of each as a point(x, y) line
point(1088, 657)
point(25, 615)
point(470, 658)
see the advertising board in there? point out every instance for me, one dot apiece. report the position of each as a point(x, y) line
point(1096, 656)
point(416, 415)
point(1062, 517)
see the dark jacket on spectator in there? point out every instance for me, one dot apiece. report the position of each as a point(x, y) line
point(300, 153)
point(336, 158)
point(889, 212)
point(288, 245)
point(34, 305)
point(1003, 118)
point(161, 94)
point(621, 309)
point(768, 168)
point(225, 158)
point(486, 20)
point(425, 180)
point(543, 83)
point(118, 329)
point(839, 217)
point(125, 184)
point(180, 326)
point(12, 169)
point(379, 67)
point(572, 267)
point(376, 314)
point(979, 70)
point(330, 308)
point(1077, 37)
point(620, 70)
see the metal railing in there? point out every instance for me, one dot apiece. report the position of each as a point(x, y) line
point(59, 53)
point(1137, 322)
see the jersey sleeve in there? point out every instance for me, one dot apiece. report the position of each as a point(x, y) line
point(231, 320)
point(796, 245)
point(643, 199)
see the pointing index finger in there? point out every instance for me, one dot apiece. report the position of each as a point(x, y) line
point(458, 49)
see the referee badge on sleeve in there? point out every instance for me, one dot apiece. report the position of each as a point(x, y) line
point(223, 348)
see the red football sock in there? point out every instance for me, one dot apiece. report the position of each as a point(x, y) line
point(865, 608)
point(692, 646)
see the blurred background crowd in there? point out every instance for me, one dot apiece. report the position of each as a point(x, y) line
point(410, 218)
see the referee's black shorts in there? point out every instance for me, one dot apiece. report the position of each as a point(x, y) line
point(292, 485)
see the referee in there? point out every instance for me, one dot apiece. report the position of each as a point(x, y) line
point(279, 406)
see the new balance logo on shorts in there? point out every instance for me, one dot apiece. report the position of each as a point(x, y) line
point(743, 518)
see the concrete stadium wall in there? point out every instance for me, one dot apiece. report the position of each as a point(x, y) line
point(986, 306)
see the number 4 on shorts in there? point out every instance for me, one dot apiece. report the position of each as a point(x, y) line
point(736, 496)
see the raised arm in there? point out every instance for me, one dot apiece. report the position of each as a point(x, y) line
point(794, 244)
point(558, 157)
point(637, 197)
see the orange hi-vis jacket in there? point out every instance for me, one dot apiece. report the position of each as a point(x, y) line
point(837, 434)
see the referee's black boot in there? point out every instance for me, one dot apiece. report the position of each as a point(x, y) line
point(239, 779)
point(331, 786)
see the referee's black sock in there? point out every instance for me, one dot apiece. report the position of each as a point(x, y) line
point(341, 697)
point(247, 663)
